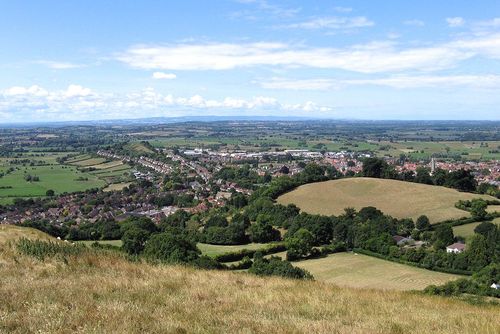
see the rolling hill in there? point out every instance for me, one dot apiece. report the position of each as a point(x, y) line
point(396, 198)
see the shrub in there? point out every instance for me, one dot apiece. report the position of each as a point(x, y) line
point(171, 248)
point(277, 267)
point(42, 249)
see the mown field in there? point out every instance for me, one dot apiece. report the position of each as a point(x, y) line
point(468, 229)
point(396, 198)
point(362, 271)
point(212, 250)
point(102, 292)
point(421, 149)
point(114, 173)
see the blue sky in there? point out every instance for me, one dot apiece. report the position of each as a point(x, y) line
point(391, 59)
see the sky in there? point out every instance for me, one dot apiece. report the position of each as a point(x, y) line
point(349, 59)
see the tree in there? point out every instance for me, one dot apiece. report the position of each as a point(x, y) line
point(477, 253)
point(485, 228)
point(171, 248)
point(443, 236)
point(134, 239)
point(276, 267)
point(50, 193)
point(478, 208)
point(143, 223)
point(423, 223)
point(299, 244)
point(423, 176)
point(262, 231)
point(379, 168)
point(284, 170)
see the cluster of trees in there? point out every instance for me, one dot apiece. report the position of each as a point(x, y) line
point(479, 284)
point(31, 178)
point(164, 244)
point(461, 179)
point(244, 176)
point(274, 266)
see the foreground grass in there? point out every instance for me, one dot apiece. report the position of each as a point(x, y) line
point(102, 292)
point(396, 198)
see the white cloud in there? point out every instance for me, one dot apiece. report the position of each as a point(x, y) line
point(369, 58)
point(493, 23)
point(57, 65)
point(19, 91)
point(80, 102)
point(454, 22)
point(401, 82)
point(340, 23)
point(375, 57)
point(77, 91)
point(341, 9)
point(414, 22)
point(163, 75)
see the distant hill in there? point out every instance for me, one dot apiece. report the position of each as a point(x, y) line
point(103, 292)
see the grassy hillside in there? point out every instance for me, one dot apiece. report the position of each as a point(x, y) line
point(396, 198)
point(361, 271)
point(103, 292)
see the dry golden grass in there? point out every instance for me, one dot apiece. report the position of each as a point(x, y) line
point(396, 198)
point(105, 293)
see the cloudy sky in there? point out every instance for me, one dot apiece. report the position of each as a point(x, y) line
point(371, 59)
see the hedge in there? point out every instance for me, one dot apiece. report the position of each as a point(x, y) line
point(238, 255)
point(413, 264)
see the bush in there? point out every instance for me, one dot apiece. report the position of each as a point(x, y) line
point(238, 255)
point(42, 249)
point(171, 248)
point(277, 267)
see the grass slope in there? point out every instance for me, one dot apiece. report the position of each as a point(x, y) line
point(103, 292)
point(396, 198)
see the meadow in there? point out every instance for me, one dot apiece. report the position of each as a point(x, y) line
point(213, 250)
point(468, 229)
point(56, 177)
point(362, 271)
point(103, 292)
point(113, 173)
point(396, 198)
point(69, 177)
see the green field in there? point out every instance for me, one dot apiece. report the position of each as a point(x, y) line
point(396, 198)
point(468, 229)
point(56, 177)
point(116, 186)
point(362, 271)
point(212, 250)
point(110, 172)
point(422, 149)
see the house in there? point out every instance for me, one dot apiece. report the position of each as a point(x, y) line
point(495, 286)
point(457, 247)
point(400, 240)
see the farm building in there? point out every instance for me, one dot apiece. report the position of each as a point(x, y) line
point(457, 247)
